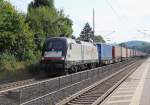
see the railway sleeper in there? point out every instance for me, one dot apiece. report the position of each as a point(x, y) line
point(87, 98)
point(81, 102)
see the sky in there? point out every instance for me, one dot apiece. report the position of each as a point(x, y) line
point(116, 20)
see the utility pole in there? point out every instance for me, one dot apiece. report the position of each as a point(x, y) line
point(93, 25)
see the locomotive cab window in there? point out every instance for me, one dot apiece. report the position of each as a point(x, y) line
point(54, 45)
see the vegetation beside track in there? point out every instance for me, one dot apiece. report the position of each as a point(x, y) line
point(22, 35)
point(12, 70)
point(21, 71)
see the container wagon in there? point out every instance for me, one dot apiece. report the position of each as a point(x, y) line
point(104, 53)
point(116, 53)
point(123, 53)
point(132, 52)
point(128, 53)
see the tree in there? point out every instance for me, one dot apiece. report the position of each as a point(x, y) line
point(64, 24)
point(99, 38)
point(1, 1)
point(16, 38)
point(46, 21)
point(87, 33)
point(73, 37)
point(41, 3)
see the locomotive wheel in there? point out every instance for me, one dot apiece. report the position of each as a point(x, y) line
point(92, 66)
point(74, 69)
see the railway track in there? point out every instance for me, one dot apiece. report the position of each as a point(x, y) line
point(49, 91)
point(96, 93)
point(9, 86)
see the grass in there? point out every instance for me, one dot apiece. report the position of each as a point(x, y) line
point(20, 72)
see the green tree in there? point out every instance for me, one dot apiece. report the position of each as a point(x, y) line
point(16, 38)
point(99, 38)
point(64, 24)
point(87, 33)
point(73, 37)
point(41, 3)
point(46, 21)
point(1, 1)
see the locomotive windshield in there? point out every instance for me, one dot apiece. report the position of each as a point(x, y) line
point(55, 45)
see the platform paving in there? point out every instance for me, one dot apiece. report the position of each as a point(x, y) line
point(135, 90)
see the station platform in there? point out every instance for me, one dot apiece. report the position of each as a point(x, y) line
point(135, 90)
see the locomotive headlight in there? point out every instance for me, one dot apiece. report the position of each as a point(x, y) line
point(62, 58)
point(42, 58)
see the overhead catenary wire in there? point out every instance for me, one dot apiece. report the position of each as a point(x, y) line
point(113, 10)
point(146, 34)
point(143, 32)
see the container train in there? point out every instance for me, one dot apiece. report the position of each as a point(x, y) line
point(65, 55)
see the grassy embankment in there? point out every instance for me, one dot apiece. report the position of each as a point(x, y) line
point(13, 70)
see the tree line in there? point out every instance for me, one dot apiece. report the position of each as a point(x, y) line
point(22, 35)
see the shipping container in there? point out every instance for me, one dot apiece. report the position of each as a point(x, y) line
point(135, 53)
point(123, 53)
point(140, 54)
point(116, 53)
point(128, 53)
point(105, 52)
point(132, 53)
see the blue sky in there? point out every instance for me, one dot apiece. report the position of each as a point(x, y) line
point(117, 20)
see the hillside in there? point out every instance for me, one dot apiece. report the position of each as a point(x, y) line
point(138, 45)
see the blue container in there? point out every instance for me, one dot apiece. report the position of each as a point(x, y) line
point(104, 52)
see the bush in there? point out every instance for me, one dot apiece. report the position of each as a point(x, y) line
point(29, 55)
point(15, 34)
point(7, 62)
